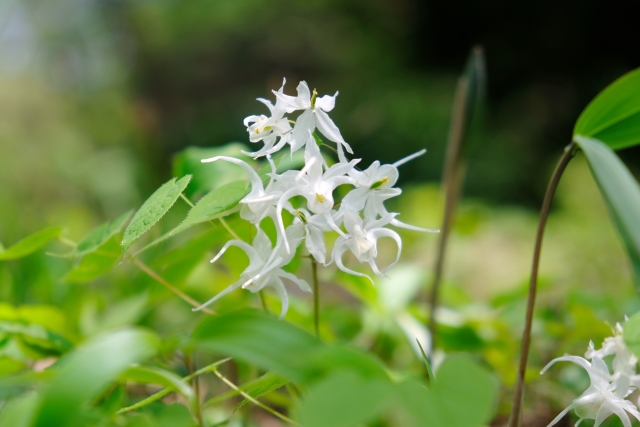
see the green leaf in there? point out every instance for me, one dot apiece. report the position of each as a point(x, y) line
point(153, 209)
point(95, 263)
point(271, 344)
point(18, 412)
point(426, 362)
point(176, 265)
point(37, 337)
point(99, 235)
point(345, 399)
point(215, 204)
point(463, 395)
point(208, 176)
point(631, 334)
point(621, 192)
point(86, 373)
point(146, 375)
point(613, 116)
point(30, 244)
point(263, 385)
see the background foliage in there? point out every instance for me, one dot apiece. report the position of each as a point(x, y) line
point(100, 99)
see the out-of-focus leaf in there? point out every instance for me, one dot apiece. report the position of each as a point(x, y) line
point(621, 192)
point(125, 312)
point(215, 204)
point(208, 176)
point(18, 412)
point(345, 399)
point(100, 235)
point(96, 263)
point(176, 265)
point(87, 371)
point(427, 364)
point(631, 334)
point(146, 375)
point(613, 116)
point(463, 395)
point(36, 337)
point(30, 244)
point(262, 339)
point(153, 209)
point(263, 385)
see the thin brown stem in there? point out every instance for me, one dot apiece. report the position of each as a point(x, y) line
point(144, 267)
point(452, 183)
point(516, 411)
point(316, 296)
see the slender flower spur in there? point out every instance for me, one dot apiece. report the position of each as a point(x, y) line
point(302, 204)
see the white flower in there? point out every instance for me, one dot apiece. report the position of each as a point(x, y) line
point(265, 266)
point(624, 361)
point(314, 226)
point(374, 185)
point(314, 115)
point(260, 202)
point(268, 129)
point(604, 397)
point(314, 185)
point(362, 240)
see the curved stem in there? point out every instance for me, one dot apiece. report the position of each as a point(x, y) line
point(516, 411)
point(316, 297)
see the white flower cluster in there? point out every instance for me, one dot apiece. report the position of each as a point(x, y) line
point(607, 392)
point(359, 218)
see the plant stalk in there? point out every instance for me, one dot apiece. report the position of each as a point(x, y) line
point(452, 182)
point(316, 297)
point(516, 411)
point(142, 266)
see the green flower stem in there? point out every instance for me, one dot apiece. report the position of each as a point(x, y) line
point(255, 401)
point(142, 266)
point(316, 297)
point(195, 384)
point(164, 392)
point(516, 411)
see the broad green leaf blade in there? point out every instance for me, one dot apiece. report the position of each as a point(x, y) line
point(96, 263)
point(463, 395)
point(208, 176)
point(613, 116)
point(86, 372)
point(345, 400)
point(620, 191)
point(262, 339)
point(18, 412)
point(153, 209)
point(215, 204)
point(147, 375)
point(99, 235)
point(263, 385)
point(631, 334)
point(30, 244)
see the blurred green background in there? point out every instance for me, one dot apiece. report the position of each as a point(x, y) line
point(96, 97)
